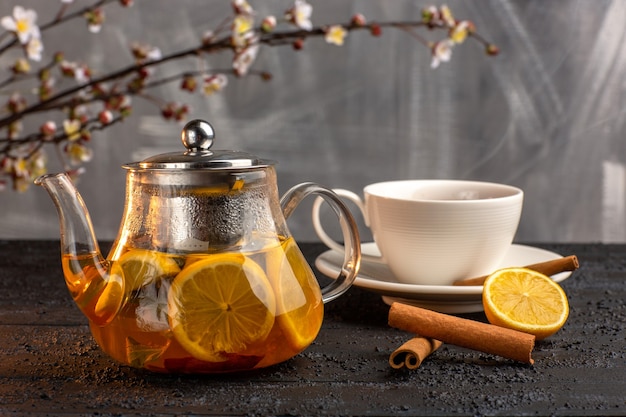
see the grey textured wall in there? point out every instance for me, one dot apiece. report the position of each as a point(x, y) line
point(546, 115)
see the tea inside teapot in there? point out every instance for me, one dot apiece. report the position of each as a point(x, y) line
point(213, 312)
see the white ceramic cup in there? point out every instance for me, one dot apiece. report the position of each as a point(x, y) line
point(434, 232)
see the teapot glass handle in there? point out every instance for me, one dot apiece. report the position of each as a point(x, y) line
point(352, 243)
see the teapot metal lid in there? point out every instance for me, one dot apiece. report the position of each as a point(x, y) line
point(197, 136)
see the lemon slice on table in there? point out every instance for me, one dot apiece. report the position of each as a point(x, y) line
point(299, 308)
point(525, 300)
point(221, 305)
point(143, 267)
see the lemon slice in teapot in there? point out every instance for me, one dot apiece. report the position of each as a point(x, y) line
point(142, 267)
point(221, 305)
point(298, 297)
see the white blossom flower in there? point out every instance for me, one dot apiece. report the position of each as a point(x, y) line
point(95, 19)
point(21, 66)
point(242, 30)
point(245, 58)
point(442, 52)
point(335, 35)
point(72, 129)
point(214, 83)
point(94, 27)
point(154, 54)
point(78, 153)
point(19, 167)
point(22, 23)
point(242, 7)
point(81, 75)
point(300, 15)
point(446, 15)
point(208, 36)
point(37, 165)
point(34, 48)
point(459, 32)
point(143, 52)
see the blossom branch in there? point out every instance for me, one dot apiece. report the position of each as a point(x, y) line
point(60, 18)
point(22, 156)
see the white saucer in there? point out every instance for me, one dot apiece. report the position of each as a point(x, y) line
point(377, 277)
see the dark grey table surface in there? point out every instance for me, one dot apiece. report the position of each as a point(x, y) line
point(50, 365)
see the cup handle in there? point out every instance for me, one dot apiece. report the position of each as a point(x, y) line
point(321, 233)
point(352, 250)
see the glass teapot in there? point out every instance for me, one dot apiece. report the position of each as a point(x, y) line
point(204, 275)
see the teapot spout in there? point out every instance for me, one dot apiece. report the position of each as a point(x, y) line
point(96, 285)
point(77, 235)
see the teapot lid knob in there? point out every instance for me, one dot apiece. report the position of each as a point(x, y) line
point(198, 135)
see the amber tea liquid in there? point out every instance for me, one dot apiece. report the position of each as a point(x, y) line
point(133, 326)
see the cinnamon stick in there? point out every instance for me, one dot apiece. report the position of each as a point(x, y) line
point(552, 267)
point(471, 334)
point(413, 352)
